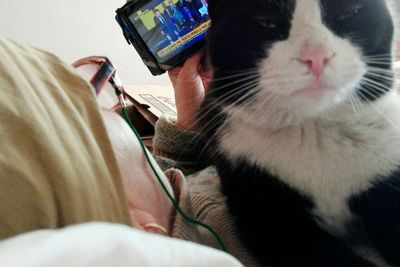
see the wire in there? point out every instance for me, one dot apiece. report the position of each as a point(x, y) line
point(170, 197)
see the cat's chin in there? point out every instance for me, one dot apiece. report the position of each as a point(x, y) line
point(314, 91)
point(272, 119)
point(310, 103)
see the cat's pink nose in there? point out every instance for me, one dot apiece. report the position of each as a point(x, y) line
point(315, 59)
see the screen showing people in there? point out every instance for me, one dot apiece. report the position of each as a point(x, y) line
point(170, 26)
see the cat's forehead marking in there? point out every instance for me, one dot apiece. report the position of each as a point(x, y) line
point(307, 25)
point(309, 10)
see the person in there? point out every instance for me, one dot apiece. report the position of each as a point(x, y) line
point(175, 14)
point(165, 26)
point(193, 9)
point(184, 9)
point(180, 4)
point(64, 161)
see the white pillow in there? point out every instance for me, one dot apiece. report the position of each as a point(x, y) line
point(106, 245)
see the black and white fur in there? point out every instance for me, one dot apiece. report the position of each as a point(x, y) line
point(312, 176)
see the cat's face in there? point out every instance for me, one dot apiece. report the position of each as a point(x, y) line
point(289, 60)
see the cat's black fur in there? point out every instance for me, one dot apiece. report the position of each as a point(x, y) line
point(274, 219)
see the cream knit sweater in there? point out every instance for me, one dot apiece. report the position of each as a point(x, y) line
point(197, 193)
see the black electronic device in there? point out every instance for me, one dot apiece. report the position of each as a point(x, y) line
point(164, 32)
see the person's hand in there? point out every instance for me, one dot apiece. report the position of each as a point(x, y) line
point(190, 84)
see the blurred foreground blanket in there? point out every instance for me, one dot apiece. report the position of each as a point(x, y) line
point(105, 245)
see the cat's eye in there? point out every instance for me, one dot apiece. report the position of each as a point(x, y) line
point(265, 23)
point(350, 14)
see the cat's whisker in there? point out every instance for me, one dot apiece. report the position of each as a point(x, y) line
point(387, 55)
point(375, 85)
point(381, 71)
point(249, 98)
point(246, 105)
point(232, 94)
point(215, 133)
point(375, 82)
point(358, 38)
point(382, 58)
point(378, 63)
point(215, 119)
point(378, 71)
point(372, 104)
point(240, 74)
point(392, 184)
point(379, 59)
point(377, 55)
point(267, 102)
point(254, 115)
point(237, 89)
point(268, 99)
point(234, 82)
point(199, 97)
point(249, 70)
point(246, 87)
point(212, 137)
point(377, 89)
point(358, 103)
point(353, 106)
point(381, 76)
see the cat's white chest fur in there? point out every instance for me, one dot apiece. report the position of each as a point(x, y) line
point(328, 160)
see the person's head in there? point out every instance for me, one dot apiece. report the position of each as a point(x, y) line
point(147, 202)
point(157, 13)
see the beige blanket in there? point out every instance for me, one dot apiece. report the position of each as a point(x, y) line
point(57, 167)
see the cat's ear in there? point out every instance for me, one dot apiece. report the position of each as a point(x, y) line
point(215, 7)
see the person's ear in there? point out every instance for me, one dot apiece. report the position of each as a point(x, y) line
point(143, 220)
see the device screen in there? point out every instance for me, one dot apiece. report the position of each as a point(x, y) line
point(170, 26)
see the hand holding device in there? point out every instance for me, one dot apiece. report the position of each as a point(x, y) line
point(190, 83)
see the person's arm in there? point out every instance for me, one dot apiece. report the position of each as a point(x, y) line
point(177, 138)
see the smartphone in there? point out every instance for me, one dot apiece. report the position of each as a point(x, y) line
point(164, 32)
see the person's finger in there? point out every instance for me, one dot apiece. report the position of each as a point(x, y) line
point(190, 69)
point(174, 74)
point(191, 66)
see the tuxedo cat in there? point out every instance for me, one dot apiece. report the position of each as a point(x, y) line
point(303, 120)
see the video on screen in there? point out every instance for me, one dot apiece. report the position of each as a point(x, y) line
point(170, 26)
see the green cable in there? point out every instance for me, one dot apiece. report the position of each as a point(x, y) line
point(171, 198)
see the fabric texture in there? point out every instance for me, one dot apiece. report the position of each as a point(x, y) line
point(106, 245)
point(172, 143)
point(57, 166)
point(198, 194)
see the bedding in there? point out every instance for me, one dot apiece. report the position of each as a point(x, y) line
point(105, 245)
point(55, 150)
